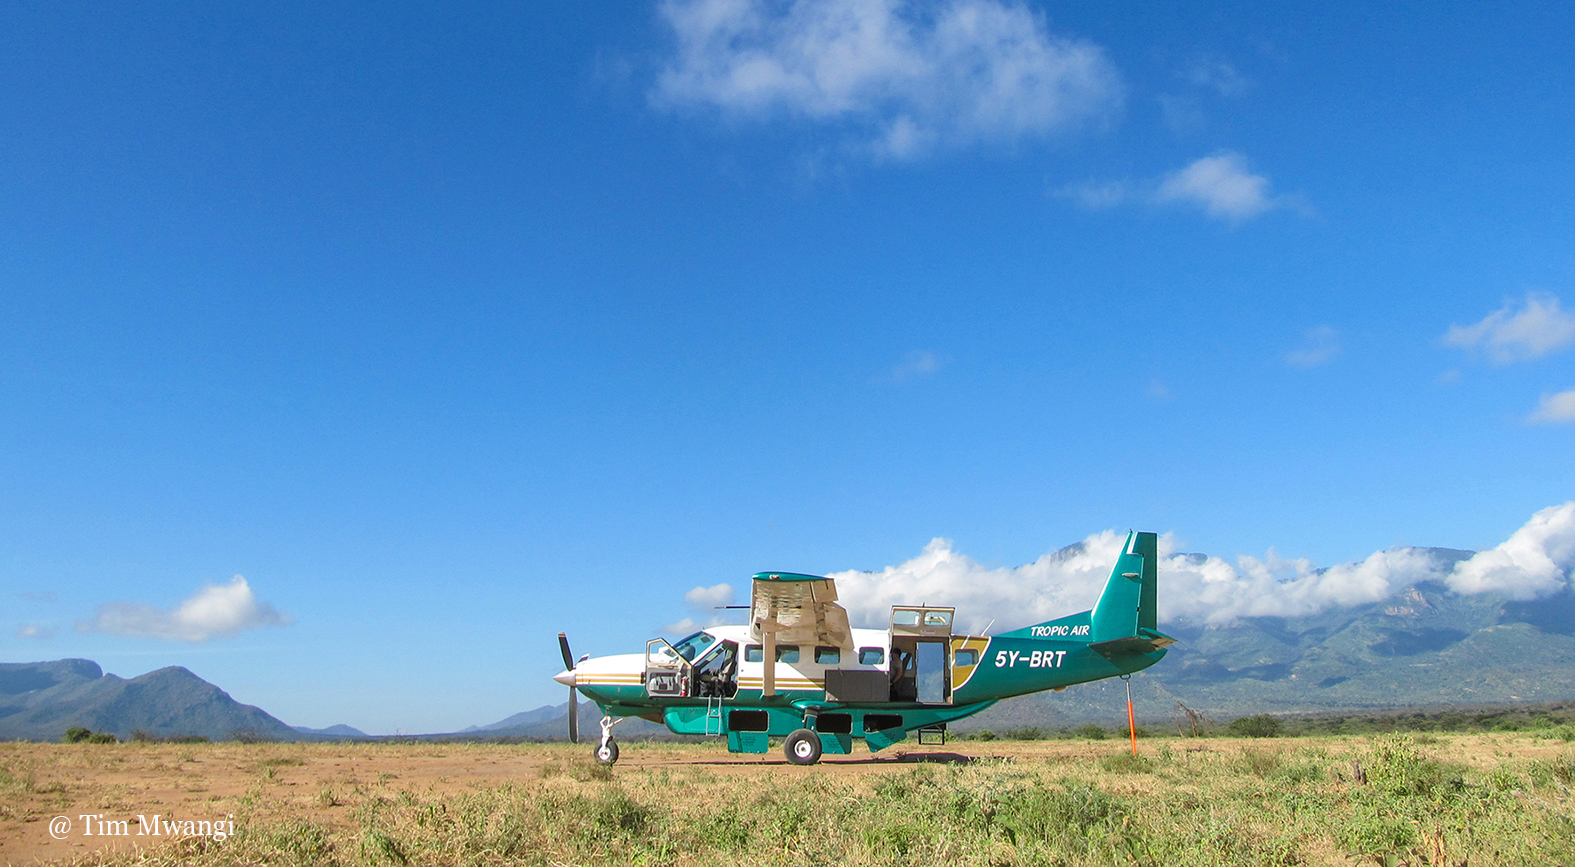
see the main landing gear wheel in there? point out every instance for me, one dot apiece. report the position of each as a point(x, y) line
point(606, 753)
point(802, 747)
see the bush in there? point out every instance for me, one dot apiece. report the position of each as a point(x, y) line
point(1092, 731)
point(1126, 763)
point(1256, 726)
point(76, 735)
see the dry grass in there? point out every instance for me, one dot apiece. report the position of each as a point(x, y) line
point(1482, 799)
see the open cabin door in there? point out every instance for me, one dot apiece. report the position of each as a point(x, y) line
point(921, 654)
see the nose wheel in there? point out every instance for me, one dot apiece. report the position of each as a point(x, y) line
point(606, 751)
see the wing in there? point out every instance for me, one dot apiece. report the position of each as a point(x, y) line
point(800, 609)
point(789, 608)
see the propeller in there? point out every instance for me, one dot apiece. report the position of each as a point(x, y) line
point(574, 694)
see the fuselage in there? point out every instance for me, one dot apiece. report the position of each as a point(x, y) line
point(974, 671)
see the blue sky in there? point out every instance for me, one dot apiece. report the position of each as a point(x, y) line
point(449, 329)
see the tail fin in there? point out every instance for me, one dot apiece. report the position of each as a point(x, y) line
point(1131, 594)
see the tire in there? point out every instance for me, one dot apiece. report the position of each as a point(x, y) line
point(802, 747)
point(606, 755)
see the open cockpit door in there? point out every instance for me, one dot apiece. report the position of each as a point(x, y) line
point(667, 673)
point(789, 608)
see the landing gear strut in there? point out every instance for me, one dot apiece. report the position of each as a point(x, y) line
point(606, 751)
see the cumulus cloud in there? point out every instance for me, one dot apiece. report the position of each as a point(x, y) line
point(702, 602)
point(1221, 185)
point(1555, 408)
point(1320, 345)
point(1534, 561)
point(216, 611)
point(706, 598)
point(907, 75)
point(1508, 335)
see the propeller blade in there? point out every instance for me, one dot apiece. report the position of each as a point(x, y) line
point(574, 694)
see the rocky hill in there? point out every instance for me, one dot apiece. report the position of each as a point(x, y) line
point(40, 700)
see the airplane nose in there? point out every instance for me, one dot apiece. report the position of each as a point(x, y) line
point(565, 677)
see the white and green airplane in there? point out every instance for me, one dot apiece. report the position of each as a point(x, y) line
point(799, 671)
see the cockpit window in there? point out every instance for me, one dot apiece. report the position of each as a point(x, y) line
point(690, 647)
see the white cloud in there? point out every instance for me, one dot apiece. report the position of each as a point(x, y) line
point(706, 598)
point(1555, 408)
point(1320, 346)
point(1534, 561)
point(36, 631)
point(1097, 196)
point(1217, 75)
point(702, 602)
point(907, 75)
point(915, 364)
point(1222, 186)
point(1508, 335)
point(214, 612)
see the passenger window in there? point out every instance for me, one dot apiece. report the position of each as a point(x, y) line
point(787, 653)
point(752, 653)
point(967, 658)
point(827, 656)
point(872, 656)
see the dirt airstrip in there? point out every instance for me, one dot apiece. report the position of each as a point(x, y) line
point(55, 799)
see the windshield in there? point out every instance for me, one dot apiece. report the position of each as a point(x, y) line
point(690, 647)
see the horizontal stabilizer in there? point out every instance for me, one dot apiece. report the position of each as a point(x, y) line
point(1132, 645)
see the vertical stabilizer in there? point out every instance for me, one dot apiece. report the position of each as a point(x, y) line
point(1131, 593)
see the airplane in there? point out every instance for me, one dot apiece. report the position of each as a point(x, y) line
point(799, 671)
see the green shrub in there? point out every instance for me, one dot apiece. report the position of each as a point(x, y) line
point(1126, 763)
point(1261, 763)
point(76, 735)
point(1256, 726)
point(1395, 766)
point(1092, 731)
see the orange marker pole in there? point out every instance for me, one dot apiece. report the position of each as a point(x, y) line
point(1131, 717)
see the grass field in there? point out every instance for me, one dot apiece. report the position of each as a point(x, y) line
point(1484, 799)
